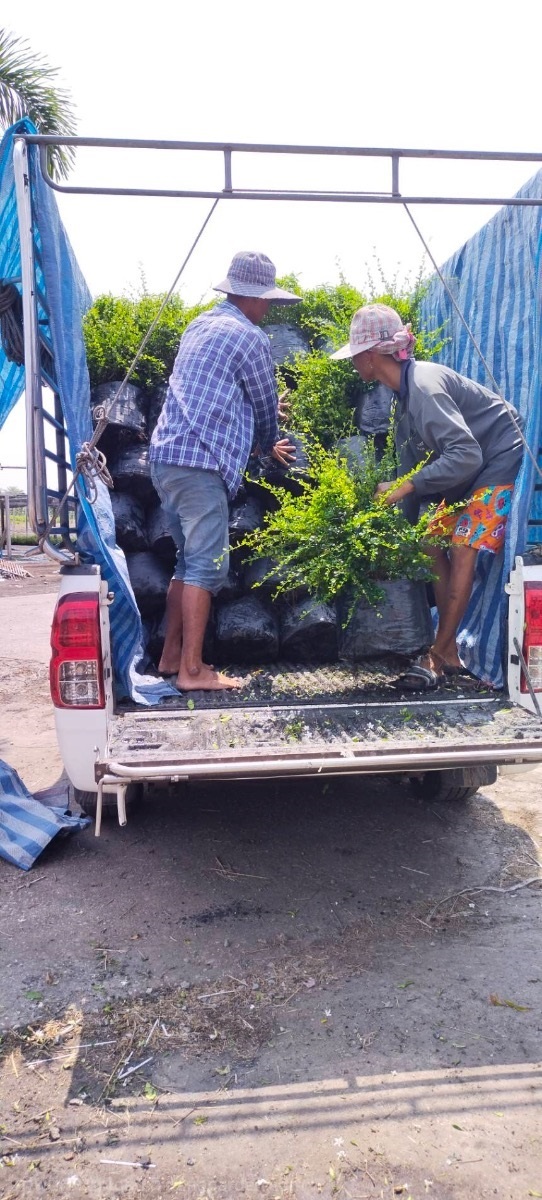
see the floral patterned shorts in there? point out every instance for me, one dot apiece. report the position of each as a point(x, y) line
point(480, 522)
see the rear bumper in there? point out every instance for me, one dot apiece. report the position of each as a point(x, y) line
point(319, 762)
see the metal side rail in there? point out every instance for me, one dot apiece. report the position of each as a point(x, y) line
point(229, 191)
point(39, 372)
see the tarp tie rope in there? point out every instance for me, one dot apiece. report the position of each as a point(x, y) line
point(11, 322)
point(470, 335)
point(91, 463)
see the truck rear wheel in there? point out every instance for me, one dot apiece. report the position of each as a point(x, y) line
point(457, 784)
point(88, 800)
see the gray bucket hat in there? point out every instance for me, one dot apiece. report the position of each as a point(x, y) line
point(253, 274)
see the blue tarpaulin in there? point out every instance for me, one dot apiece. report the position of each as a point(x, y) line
point(63, 297)
point(495, 281)
point(27, 824)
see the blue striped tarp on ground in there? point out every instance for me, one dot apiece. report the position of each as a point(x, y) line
point(495, 281)
point(26, 825)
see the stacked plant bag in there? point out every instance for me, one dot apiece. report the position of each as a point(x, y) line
point(126, 408)
point(130, 521)
point(400, 625)
point(156, 404)
point(130, 470)
point(125, 444)
point(150, 578)
point(247, 631)
point(287, 344)
point(156, 631)
point(159, 536)
point(309, 632)
point(373, 411)
point(372, 415)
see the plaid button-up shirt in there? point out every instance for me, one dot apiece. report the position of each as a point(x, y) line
point(222, 397)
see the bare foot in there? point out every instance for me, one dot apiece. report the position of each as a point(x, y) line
point(167, 669)
point(206, 680)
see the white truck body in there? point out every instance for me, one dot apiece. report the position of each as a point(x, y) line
point(454, 741)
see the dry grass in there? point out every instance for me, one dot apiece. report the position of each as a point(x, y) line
point(231, 1018)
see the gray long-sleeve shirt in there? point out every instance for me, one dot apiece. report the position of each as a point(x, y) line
point(466, 428)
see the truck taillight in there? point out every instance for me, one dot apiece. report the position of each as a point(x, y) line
point(532, 637)
point(76, 669)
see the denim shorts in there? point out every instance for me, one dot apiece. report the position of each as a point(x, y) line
point(196, 506)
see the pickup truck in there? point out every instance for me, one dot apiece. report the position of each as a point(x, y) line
point(117, 731)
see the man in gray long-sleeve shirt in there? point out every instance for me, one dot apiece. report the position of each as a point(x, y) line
point(469, 445)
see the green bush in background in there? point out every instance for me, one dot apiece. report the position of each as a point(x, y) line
point(324, 393)
point(115, 326)
point(323, 397)
point(324, 314)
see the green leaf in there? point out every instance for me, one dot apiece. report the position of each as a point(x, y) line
point(31, 995)
point(190, 704)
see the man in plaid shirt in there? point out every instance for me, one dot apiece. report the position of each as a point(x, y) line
point(221, 404)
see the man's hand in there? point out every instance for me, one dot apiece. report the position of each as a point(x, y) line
point(389, 493)
point(284, 452)
point(283, 408)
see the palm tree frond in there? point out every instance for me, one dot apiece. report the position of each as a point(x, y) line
point(27, 88)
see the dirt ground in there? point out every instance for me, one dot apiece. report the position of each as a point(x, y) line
point(273, 990)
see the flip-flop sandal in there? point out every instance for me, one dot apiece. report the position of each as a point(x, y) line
point(418, 679)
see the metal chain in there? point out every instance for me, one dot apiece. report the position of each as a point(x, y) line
point(91, 463)
point(470, 334)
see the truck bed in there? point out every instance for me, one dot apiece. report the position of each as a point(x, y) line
point(293, 719)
